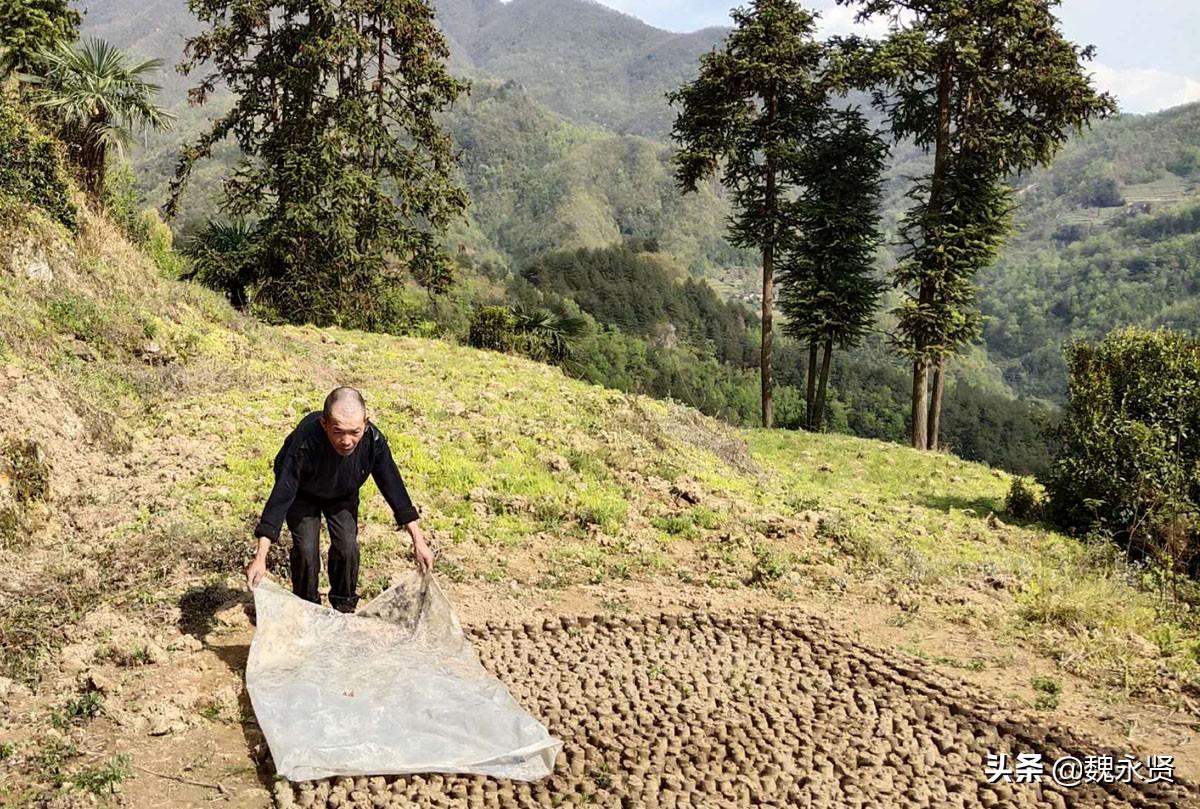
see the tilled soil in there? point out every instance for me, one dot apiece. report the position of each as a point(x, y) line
point(739, 711)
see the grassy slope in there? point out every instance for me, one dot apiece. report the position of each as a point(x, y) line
point(158, 409)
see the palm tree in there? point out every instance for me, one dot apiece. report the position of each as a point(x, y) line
point(548, 335)
point(98, 98)
point(222, 258)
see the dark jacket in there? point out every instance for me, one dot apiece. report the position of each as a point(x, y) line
point(307, 465)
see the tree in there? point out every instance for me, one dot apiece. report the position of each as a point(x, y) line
point(28, 27)
point(745, 115)
point(221, 258)
point(1129, 462)
point(992, 88)
point(345, 167)
point(827, 287)
point(98, 98)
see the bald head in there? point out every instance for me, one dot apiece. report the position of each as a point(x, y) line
point(345, 400)
point(344, 419)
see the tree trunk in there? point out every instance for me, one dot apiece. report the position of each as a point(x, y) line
point(933, 215)
point(768, 406)
point(819, 407)
point(810, 393)
point(935, 401)
point(768, 302)
point(920, 409)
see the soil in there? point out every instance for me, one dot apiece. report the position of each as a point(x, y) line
point(694, 708)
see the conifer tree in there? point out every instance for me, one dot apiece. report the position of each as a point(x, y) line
point(344, 167)
point(745, 117)
point(827, 286)
point(991, 88)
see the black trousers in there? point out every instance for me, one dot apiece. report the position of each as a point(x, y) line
point(304, 523)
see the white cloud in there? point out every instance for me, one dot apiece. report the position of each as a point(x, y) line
point(1145, 90)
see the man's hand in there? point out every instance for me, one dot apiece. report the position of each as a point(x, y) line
point(421, 551)
point(258, 568)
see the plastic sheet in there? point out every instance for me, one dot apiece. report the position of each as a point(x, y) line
point(393, 689)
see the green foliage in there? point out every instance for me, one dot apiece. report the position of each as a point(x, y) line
point(493, 327)
point(743, 118)
point(344, 163)
point(28, 27)
point(991, 88)
point(769, 566)
point(88, 704)
point(1186, 163)
point(828, 287)
point(633, 289)
point(31, 169)
point(122, 201)
point(1140, 268)
point(98, 98)
point(103, 779)
point(1049, 691)
point(545, 335)
point(1131, 444)
point(78, 316)
point(222, 257)
point(537, 333)
point(869, 393)
point(1023, 501)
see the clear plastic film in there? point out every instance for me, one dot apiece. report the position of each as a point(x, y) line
point(391, 690)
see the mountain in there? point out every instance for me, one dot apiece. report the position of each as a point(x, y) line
point(1109, 235)
point(583, 60)
point(594, 65)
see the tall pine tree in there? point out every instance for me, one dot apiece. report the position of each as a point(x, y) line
point(991, 88)
point(344, 167)
point(745, 116)
point(827, 287)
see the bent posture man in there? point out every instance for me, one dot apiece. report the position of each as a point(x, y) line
point(319, 470)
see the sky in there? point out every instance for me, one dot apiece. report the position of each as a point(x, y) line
point(1147, 52)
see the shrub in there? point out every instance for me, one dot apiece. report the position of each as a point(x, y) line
point(1130, 458)
point(223, 258)
point(493, 327)
point(123, 204)
point(1023, 501)
point(31, 167)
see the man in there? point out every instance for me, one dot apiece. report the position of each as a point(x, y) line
point(319, 470)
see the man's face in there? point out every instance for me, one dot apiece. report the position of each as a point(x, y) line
point(345, 428)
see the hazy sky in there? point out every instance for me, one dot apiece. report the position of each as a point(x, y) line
point(1147, 50)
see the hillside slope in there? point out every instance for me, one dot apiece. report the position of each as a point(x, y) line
point(1106, 237)
point(154, 410)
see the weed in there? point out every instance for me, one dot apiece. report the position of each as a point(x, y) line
point(678, 525)
point(1049, 691)
point(86, 705)
point(50, 759)
point(78, 316)
point(23, 462)
point(103, 779)
point(859, 546)
point(769, 566)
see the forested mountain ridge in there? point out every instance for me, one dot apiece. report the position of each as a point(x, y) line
point(594, 65)
point(1109, 235)
point(1085, 256)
